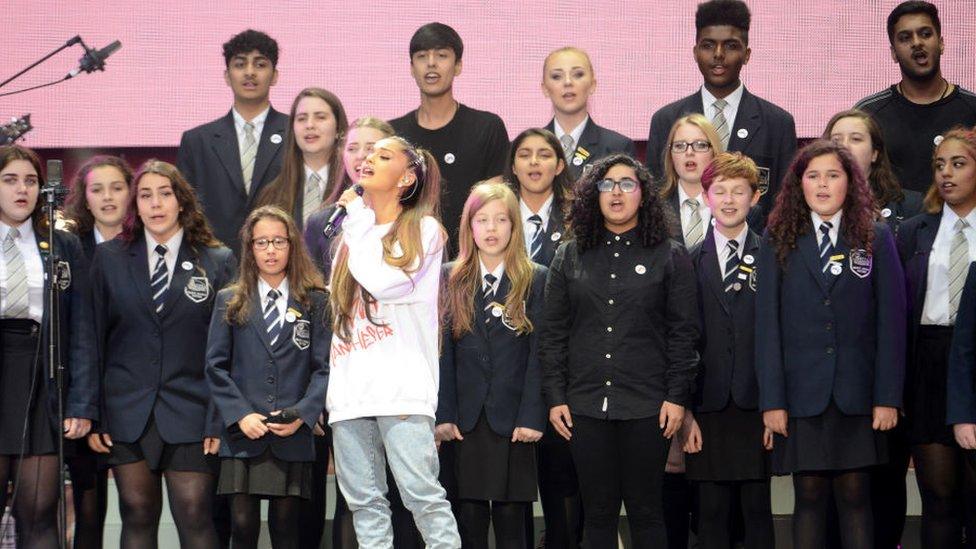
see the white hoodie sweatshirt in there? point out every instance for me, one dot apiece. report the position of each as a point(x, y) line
point(389, 368)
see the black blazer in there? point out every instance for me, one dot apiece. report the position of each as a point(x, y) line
point(494, 369)
point(915, 238)
point(88, 244)
point(770, 141)
point(961, 378)
point(247, 374)
point(319, 246)
point(595, 143)
point(555, 234)
point(210, 159)
point(841, 340)
point(728, 329)
point(154, 363)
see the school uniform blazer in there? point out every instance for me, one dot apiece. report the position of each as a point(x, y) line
point(494, 369)
point(596, 142)
point(87, 244)
point(902, 210)
point(672, 210)
point(320, 246)
point(210, 159)
point(555, 234)
point(915, 239)
point(75, 327)
point(841, 339)
point(154, 363)
point(961, 378)
point(770, 140)
point(728, 330)
point(247, 374)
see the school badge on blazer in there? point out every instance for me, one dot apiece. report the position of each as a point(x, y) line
point(64, 275)
point(763, 180)
point(860, 262)
point(197, 289)
point(301, 336)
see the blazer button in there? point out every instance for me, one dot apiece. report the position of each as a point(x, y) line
point(827, 303)
point(830, 350)
point(270, 399)
point(830, 326)
point(270, 380)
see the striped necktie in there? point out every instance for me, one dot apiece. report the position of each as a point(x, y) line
point(958, 266)
point(160, 279)
point(272, 319)
point(568, 146)
point(731, 265)
point(536, 245)
point(826, 248)
point(489, 295)
point(313, 195)
point(18, 303)
point(720, 123)
point(695, 232)
point(248, 153)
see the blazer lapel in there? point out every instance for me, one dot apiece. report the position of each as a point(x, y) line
point(177, 281)
point(500, 295)
point(842, 248)
point(923, 249)
point(226, 148)
point(257, 322)
point(810, 252)
point(139, 271)
point(713, 275)
point(274, 124)
point(748, 120)
point(288, 328)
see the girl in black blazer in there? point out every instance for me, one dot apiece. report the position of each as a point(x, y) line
point(153, 290)
point(96, 205)
point(490, 397)
point(830, 312)
point(936, 248)
point(312, 166)
point(28, 398)
point(267, 357)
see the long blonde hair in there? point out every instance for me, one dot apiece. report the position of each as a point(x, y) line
point(670, 184)
point(465, 277)
point(420, 200)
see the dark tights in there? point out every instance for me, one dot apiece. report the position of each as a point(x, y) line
point(141, 501)
point(35, 498)
point(851, 492)
point(559, 495)
point(283, 524)
point(716, 503)
point(90, 498)
point(938, 470)
point(506, 518)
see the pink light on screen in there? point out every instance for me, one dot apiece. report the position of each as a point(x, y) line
point(811, 58)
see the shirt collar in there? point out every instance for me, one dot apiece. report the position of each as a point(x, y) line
point(625, 237)
point(323, 174)
point(264, 288)
point(172, 245)
point(543, 211)
point(949, 217)
point(575, 134)
point(498, 272)
point(721, 242)
point(835, 220)
point(682, 196)
point(733, 99)
point(26, 230)
point(258, 120)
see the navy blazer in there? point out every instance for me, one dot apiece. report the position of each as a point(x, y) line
point(154, 363)
point(210, 159)
point(494, 369)
point(75, 328)
point(319, 246)
point(961, 378)
point(672, 211)
point(595, 143)
point(88, 244)
point(728, 329)
point(769, 139)
point(841, 339)
point(555, 234)
point(899, 211)
point(248, 375)
point(915, 238)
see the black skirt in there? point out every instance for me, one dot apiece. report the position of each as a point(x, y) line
point(732, 447)
point(832, 441)
point(491, 467)
point(925, 394)
point(160, 455)
point(23, 382)
point(265, 475)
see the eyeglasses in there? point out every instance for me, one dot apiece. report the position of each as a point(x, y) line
point(279, 243)
point(627, 185)
point(698, 146)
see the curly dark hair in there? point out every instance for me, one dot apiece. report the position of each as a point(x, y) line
point(733, 13)
point(586, 217)
point(196, 230)
point(247, 41)
point(790, 218)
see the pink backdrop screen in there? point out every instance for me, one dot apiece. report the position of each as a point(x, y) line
point(811, 58)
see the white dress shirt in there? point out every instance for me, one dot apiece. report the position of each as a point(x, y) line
point(27, 244)
point(731, 108)
point(576, 132)
point(834, 231)
point(935, 311)
point(497, 272)
point(172, 252)
point(281, 304)
point(258, 122)
point(721, 247)
point(529, 227)
point(703, 211)
point(323, 172)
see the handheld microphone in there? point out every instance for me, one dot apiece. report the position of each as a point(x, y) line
point(94, 60)
point(335, 220)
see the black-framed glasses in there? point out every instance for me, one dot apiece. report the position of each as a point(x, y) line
point(627, 185)
point(279, 243)
point(699, 146)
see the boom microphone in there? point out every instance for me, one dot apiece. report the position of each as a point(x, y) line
point(94, 60)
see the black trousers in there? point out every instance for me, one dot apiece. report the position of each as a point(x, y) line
point(620, 461)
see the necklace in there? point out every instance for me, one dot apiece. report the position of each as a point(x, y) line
point(945, 90)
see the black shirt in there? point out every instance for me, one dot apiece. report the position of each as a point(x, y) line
point(910, 129)
point(621, 328)
point(469, 149)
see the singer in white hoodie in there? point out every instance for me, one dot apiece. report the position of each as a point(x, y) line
point(382, 395)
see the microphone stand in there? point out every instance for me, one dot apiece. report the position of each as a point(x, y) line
point(66, 45)
point(52, 275)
